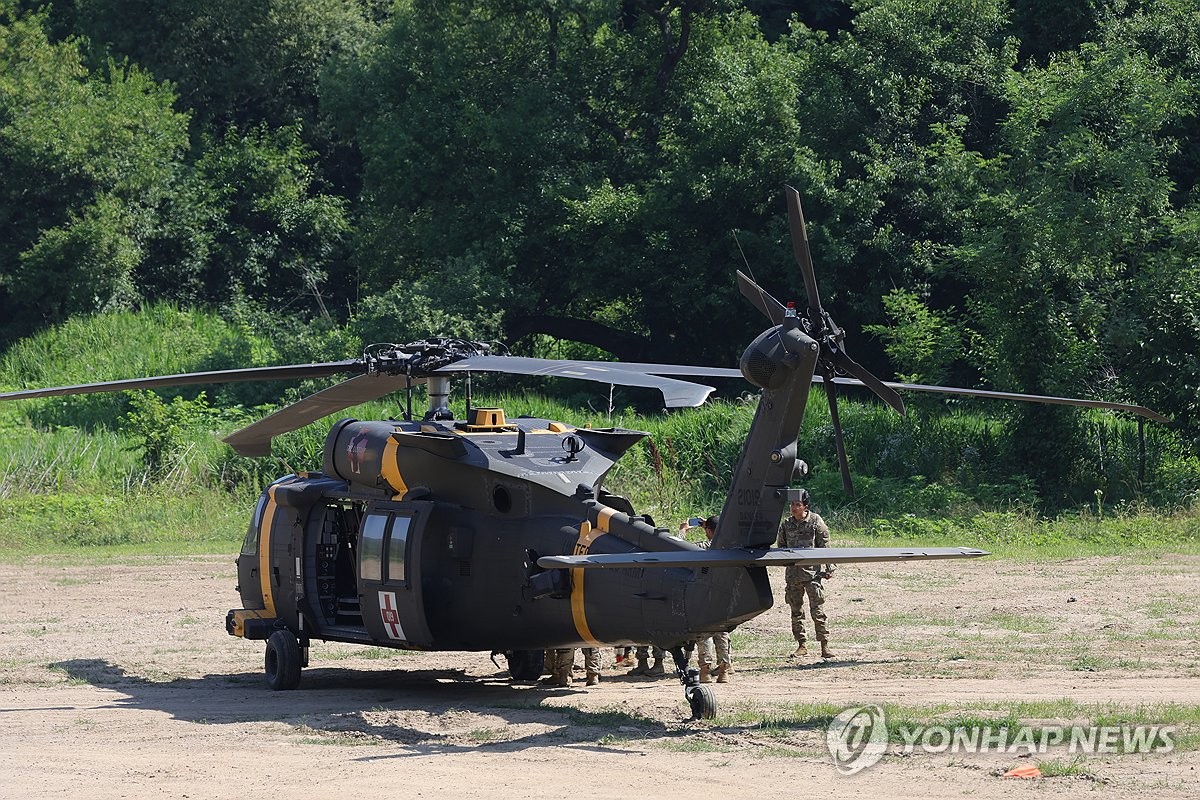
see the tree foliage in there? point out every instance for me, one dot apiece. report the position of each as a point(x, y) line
point(998, 193)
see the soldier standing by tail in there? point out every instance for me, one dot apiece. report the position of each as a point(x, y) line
point(805, 528)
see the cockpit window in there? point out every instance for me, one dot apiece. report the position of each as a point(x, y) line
point(250, 543)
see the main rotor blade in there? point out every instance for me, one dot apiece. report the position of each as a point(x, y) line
point(771, 557)
point(647, 368)
point(255, 440)
point(675, 393)
point(1141, 411)
point(800, 247)
point(289, 372)
point(768, 305)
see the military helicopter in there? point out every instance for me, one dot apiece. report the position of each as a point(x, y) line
point(496, 534)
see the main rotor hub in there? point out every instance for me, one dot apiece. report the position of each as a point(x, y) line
point(422, 357)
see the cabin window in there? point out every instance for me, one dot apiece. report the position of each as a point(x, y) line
point(397, 549)
point(371, 547)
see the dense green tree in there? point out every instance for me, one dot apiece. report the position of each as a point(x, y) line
point(1078, 200)
point(597, 155)
point(232, 62)
point(246, 220)
point(87, 159)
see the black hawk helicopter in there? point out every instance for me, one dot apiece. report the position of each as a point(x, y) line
point(495, 534)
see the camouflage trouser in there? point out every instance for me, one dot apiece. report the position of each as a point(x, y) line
point(704, 651)
point(643, 652)
point(794, 594)
point(564, 659)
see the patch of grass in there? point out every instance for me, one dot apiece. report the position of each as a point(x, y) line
point(612, 717)
point(369, 653)
point(1171, 606)
point(485, 735)
point(336, 738)
point(779, 752)
point(1089, 662)
point(1021, 623)
point(69, 581)
point(898, 619)
point(1066, 768)
point(780, 722)
point(695, 744)
point(1024, 536)
point(113, 525)
point(614, 740)
point(744, 640)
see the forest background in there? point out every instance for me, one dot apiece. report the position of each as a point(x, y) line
point(999, 194)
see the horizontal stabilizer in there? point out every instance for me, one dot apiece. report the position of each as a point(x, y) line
point(771, 557)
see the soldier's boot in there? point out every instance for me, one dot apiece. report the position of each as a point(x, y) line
point(593, 678)
point(643, 666)
point(800, 650)
point(656, 669)
point(561, 677)
point(705, 674)
point(722, 673)
point(825, 651)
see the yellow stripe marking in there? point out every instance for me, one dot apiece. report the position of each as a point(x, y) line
point(587, 535)
point(391, 469)
point(264, 553)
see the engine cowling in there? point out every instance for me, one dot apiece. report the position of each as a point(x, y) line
point(355, 451)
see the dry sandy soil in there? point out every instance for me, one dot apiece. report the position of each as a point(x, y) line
point(120, 681)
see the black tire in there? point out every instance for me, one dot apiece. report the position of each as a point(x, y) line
point(282, 661)
point(525, 665)
point(703, 701)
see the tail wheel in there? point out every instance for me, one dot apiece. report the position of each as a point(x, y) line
point(282, 661)
point(703, 701)
point(525, 665)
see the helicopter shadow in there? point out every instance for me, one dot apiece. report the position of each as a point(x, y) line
point(378, 707)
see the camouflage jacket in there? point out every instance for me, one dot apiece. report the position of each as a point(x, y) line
point(809, 532)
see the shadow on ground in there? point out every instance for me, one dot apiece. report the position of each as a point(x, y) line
point(378, 707)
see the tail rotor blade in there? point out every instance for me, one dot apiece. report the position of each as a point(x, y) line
point(886, 393)
point(768, 305)
point(800, 247)
point(839, 442)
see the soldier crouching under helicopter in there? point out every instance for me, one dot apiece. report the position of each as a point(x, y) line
point(806, 529)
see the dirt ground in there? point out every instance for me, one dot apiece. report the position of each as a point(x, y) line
point(120, 681)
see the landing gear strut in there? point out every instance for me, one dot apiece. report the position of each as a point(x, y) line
point(701, 699)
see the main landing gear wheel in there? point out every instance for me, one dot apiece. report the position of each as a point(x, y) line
point(283, 661)
point(703, 701)
point(525, 665)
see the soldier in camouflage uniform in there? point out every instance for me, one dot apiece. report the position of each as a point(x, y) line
point(644, 667)
point(805, 528)
point(560, 662)
point(722, 665)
